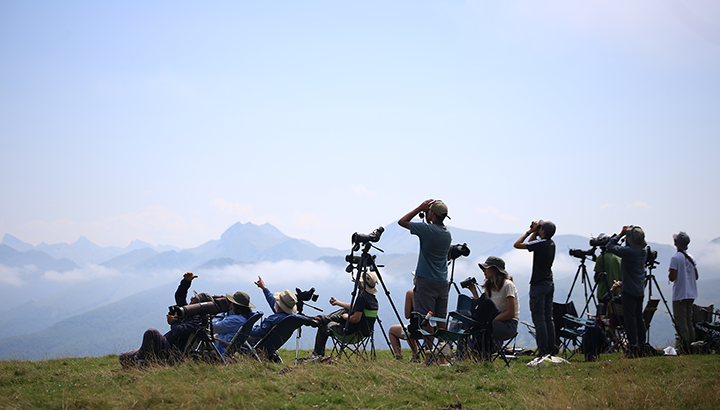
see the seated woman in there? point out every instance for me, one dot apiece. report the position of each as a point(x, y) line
point(501, 290)
point(396, 331)
point(227, 324)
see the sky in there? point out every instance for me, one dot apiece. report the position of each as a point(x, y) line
point(169, 121)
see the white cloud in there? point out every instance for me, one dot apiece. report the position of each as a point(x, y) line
point(490, 210)
point(638, 205)
point(81, 274)
point(12, 276)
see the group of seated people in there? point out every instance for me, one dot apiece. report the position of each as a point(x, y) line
point(168, 347)
point(500, 289)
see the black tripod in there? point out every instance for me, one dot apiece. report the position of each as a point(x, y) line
point(455, 252)
point(365, 262)
point(650, 263)
point(584, 277)
point(202, 346)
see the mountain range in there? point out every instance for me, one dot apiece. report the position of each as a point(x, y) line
point(54, 289)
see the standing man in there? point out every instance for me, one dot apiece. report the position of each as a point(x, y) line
point(684, 275)
point(632, 268)
point(542, 287)
point(431, 272)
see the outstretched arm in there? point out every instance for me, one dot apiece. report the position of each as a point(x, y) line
point(405, 220)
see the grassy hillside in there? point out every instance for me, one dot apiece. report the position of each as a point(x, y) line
point(614, 382)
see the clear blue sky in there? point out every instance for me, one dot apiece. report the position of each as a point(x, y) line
point(169, 121)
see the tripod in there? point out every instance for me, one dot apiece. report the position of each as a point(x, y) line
point(366, 262)
point(203, 339)
point(649, 280)
point(300, 306)
point(585, 279)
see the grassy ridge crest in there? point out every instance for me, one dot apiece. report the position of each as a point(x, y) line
point(614, 382)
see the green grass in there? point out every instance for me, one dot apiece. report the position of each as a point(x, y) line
point(614, 382)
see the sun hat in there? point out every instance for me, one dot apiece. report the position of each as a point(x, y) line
point(287, 301)
point(370, 286)
point(496, 262)
point(440, 209)
point(635, 237)
point(240, 299)
point(202, 297)
point(681, 240)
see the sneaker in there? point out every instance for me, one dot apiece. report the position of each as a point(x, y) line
point(312, 358)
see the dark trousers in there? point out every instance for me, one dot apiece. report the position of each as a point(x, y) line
point(633, 317)
point(154, 347)
point(330, 323)
point(541, 308)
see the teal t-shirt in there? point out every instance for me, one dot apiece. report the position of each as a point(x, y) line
point(434, 246)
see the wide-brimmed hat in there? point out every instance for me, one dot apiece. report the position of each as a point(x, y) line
point(681, 240)
point(370, 286)
point(202, 297)
point(240, 299)
point(287, 301)
point(635, 237)
point(496, 262)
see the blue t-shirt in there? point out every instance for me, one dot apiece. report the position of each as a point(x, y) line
point(434, 246)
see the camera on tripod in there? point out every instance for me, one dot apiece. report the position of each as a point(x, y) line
point(457, 251)
point(600, 241)
point(468, 282)
point(581, 254)
point(304, 296)
point(651, 258)
point(361, 238)
point(219, 304)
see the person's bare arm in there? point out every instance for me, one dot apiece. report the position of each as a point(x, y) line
point(408, 303)
point(405, 220)
point(532, 233)
point(509, 313)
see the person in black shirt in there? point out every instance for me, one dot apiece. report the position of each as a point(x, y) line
point(335, 322)
point(542, 286)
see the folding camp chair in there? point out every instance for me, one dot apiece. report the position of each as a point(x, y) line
point(566, 331)
point(615, 328)
point(477, 342)
point(439, 344)
point(501, 349)
point(357, 343)
point(241, 337)
point(276, 338)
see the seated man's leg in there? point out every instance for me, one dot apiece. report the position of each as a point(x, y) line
point(129, 359)
point(327, 324)
point(154, 346)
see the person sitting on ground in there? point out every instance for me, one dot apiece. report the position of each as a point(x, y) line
point(226, 325)
point(396, 332)
point(283, 304)
point(502, 291)
point(335, 322)
point(157, 347)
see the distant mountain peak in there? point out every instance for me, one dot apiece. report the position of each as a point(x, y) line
point(16, 243)
point(240, 229)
